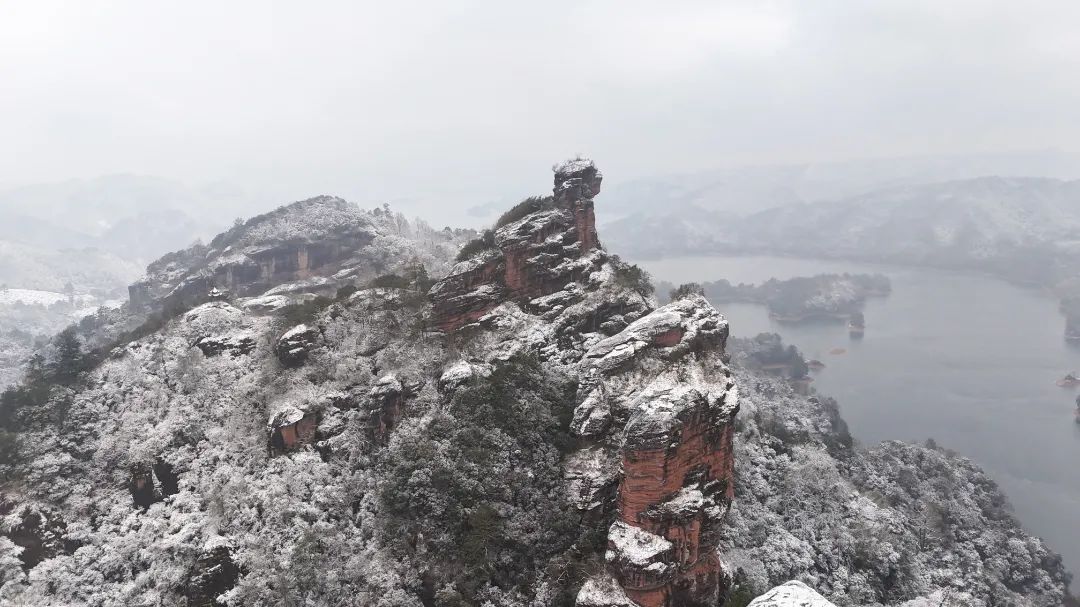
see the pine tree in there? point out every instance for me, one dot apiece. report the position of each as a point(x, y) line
point(69, 356)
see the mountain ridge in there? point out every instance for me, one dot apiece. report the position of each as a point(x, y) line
point(376, 423)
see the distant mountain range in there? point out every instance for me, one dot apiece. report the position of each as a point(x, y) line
point(1025, 229)
point(749, 189)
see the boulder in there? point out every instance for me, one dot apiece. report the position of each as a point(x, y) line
point(294, 346)
point(213, 574)
point(292, 428)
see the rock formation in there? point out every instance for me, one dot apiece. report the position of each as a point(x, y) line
point(313, 246)
point(791, 594)
point(293, 346)
point(292, 428)
point(676, 453)
point(656, 399)
point(536, 255)
point(213, 573)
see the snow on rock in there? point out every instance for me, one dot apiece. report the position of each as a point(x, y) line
point(603, 591)
point(267, 304)
point(791, 594)
point(593, 416)
point(676, 328)
point(591, 476)
point(460, 373)
point(291, 428)
point(532, 257)
point(296, 248)
point(633, 547)
point(294, 346)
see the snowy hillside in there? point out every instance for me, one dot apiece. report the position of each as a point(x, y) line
point(321, 408)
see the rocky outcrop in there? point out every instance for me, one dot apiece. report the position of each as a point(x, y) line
point(676, 454)
point(387, 400)
point(534, 256)
point(311, 247)
point(655, 399)
point(293, 347)
point(291, 429)
point(791, 594)
point(213, 574)
point(289, 244)
point(234, 345)
point(150, 483)
point(141, 486)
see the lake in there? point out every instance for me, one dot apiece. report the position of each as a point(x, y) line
point(968, 360)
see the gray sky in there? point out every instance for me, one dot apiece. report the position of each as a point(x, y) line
point(413, 101)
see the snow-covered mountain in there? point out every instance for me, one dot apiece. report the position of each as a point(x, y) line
point(1022, 228)
point(330, 406)
point(740, 191)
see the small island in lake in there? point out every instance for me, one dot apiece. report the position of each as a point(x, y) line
point(766, 352)
point(1070, 380)
point(824, 297)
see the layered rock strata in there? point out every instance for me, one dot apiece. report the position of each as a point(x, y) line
point(534, 256)
point(656, 401)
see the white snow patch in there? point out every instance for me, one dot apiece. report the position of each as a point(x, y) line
point(791, 594)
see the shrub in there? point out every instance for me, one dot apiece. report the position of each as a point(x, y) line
point(344, 292)
point(632, 277)
point(480, 481)
point(304, 313)
point(474, 247)
point(530, 205)
point(687, 290)
point(390, 281)
point(10, 455)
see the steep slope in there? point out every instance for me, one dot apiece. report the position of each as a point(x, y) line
point(196, 455)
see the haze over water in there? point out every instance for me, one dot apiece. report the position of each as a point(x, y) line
point(970, 361)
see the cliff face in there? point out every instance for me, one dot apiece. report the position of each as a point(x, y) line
point(661, 377)
point(316, 245)
point(534, 256)
point(675, 452)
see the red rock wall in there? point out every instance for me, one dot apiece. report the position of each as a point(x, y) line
point(544, 240)
point(293, 436)
point(585, 223)
point(703, 458)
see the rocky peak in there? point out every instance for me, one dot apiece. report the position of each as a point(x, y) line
point(311, 246)
point(552, 244)
point(675, 454)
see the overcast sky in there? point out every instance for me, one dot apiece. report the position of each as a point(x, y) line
point(408, 101)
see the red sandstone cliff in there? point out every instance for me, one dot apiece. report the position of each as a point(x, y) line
point(656, 405)
point(534, 256)
point(675, 453)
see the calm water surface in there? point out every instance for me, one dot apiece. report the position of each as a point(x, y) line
point(970, 361)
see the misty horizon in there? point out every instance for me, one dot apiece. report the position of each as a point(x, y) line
point(418, 104)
